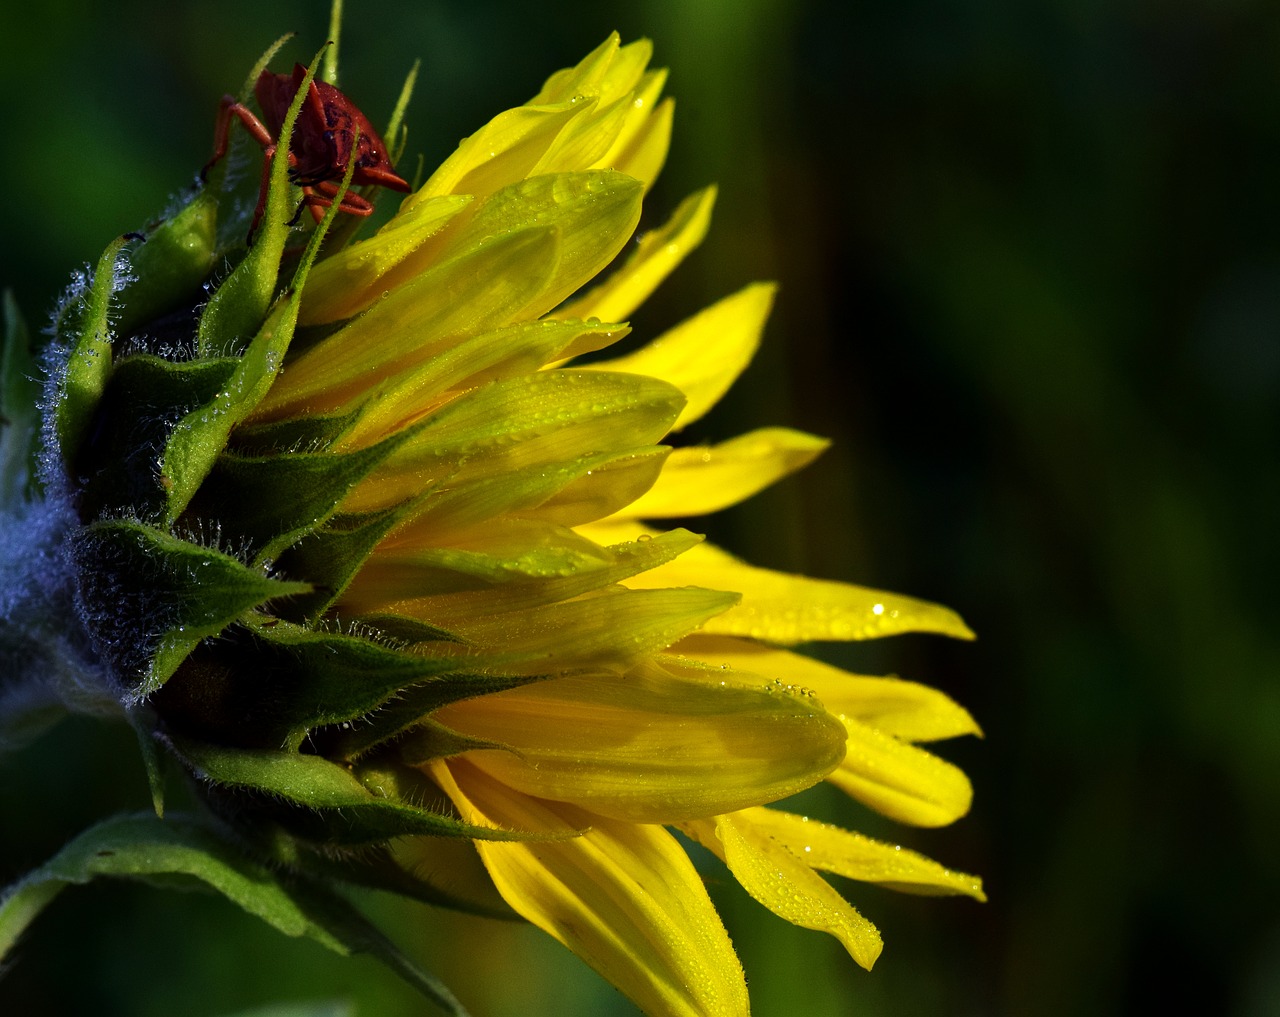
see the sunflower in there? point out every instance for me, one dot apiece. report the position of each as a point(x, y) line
point(377, 557)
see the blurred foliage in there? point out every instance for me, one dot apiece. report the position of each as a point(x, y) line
point(1029, 260)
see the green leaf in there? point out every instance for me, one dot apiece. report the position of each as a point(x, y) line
point(184, 853)
point(148, 598)
point(179, 853)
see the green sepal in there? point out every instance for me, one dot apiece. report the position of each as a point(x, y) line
point(166, 270)
point(315, 799)
point(203, 434)
point(86, 324)
point(237, 307)
point(19, 420)
point(331, 555)
point(133, 421)
point(184, 853)
point(432, 740)
point(406, 717)
point(271, 501)
point(268, 683)
point(148, 598)
point(309, 432)
point(407, 631)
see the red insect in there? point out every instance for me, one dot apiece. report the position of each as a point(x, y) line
point(319, 147)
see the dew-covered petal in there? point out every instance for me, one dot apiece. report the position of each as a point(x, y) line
point(655, 255)
point(641, 146)
point(610, 485)
point(782, 881)
point(780, 607)
point(584, 141)
point(588, 76)
point(907, 710)
point(623, 897)
point(402, 397)
point(349, 281)
point(477, 292)
point(832, 849)
point(413, 597)
point(646, 151)
point(703, 355)
point(565, 493)
point(499, 552)
point(611, 630)
point(502, 151)
point(594, 213)
point(706, 478)
point(651, 746)
point(547, 417)
point(901, 781)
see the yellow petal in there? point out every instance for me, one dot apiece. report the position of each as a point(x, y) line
point(783, 608)
point(348, 282)
point(401, 397)
point(653, 258)
point(500, 552)
point(611, 630)
point(703, 355)
point(502, 151)
point(368, 592)
point(587, 76)
point(781, 880)
point(478, 292)
point(831, 849)
point(705, 478)
point(563, 492)
point(594, 212)
point(623, 897)
point(627, 70)
point(901, 781)
point(544, 418)
point(643, 135)
point(584, 141)
point(906, 710)
point(610, 485)
point(647, 146)
point(650, 746)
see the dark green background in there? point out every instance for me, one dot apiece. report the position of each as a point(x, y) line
point(1028, 260)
